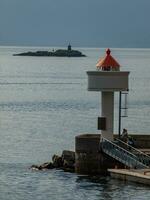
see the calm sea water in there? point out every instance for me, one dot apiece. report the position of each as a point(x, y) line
point(44, 104)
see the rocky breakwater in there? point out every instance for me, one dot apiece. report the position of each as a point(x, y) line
point(64, 162)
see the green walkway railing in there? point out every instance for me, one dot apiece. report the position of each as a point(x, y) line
point(123, 155)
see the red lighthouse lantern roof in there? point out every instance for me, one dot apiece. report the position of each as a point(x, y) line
point(108, 61)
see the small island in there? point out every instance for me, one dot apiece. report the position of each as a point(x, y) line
point(58, 53)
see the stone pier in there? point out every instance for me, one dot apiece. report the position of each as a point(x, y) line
point(88, 157)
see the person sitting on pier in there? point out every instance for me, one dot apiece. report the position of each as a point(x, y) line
point(124, 135)
point(130, 141)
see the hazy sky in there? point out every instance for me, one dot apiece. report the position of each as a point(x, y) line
point(94, 23)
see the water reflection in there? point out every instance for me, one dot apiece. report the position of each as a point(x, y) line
point(97, 184)
point(104, 187)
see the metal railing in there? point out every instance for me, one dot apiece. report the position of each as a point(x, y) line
point(122, 155)
point(142, 157)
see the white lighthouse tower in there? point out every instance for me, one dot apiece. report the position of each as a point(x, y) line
point(108, 79)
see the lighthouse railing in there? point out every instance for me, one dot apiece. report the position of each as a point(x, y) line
point(120, 154)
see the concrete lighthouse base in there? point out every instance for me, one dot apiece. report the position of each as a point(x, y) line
point(88, 157)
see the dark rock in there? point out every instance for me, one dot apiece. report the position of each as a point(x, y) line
point(68, 155)
point(47, 165)
point(57, 161)
point(68, 164)
point(68, 158)
point(65, 162)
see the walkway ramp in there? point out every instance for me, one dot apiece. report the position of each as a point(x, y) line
point(126, 154)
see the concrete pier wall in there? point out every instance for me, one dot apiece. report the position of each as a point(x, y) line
point(90, 160)
point(88, 157)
